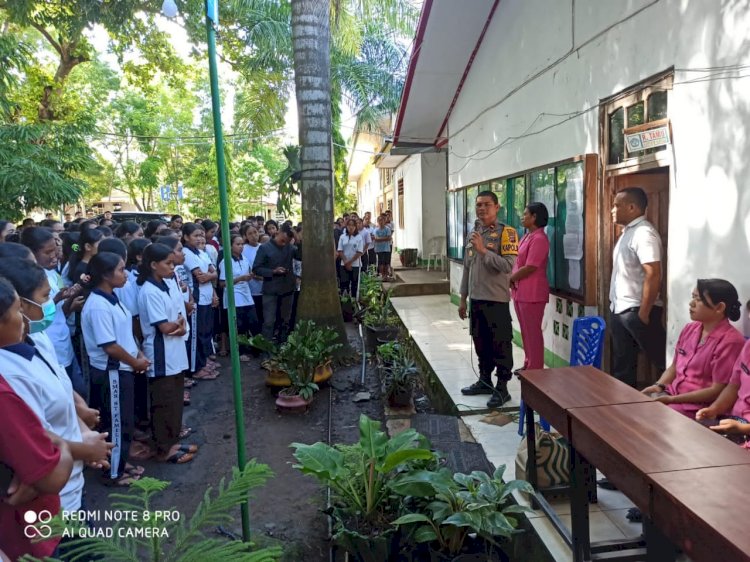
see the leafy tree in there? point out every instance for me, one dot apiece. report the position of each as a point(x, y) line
point(40, 166)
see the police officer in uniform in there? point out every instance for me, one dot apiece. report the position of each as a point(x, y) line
point(488, 263)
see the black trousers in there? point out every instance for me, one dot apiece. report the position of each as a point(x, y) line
point(166, 411)
point(630, 335)
point(349, 281)
point(112, 393)
point(492, 332)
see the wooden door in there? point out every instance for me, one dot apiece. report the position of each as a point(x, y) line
point(655, 183)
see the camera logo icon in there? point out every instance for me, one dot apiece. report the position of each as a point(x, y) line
point(37, 524)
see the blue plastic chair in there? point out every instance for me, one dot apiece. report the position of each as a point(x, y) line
point(586, 347)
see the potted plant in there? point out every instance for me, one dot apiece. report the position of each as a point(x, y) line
point(360, 477)
point(448, 508)
point(385, 355)
point(381, 321)
point(305, 355)
point(399, 378)
point(322, 344)
point(277, 375)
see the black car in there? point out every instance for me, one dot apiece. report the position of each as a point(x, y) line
point(135, 216)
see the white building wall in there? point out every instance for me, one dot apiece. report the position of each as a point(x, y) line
point(368, 189)
point(410, 236)
point(540, 73)
point(432, 216)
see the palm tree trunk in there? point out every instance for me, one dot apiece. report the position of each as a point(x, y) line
point(319, 300)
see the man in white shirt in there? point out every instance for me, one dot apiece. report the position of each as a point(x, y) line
point(634, 289)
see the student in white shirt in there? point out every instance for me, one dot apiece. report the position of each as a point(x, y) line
point(114, 360)
point(42, 244)
point(247, 319)
point(350, 250)
point(31, 368)
point(250, 250)
point(204, 273)
point(161, 313)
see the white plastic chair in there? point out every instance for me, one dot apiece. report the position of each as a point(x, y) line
point(436, 251)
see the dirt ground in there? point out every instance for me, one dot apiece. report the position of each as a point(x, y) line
point(288, 508)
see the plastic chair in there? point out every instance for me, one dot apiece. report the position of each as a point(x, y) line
point(436, 248)
point(586, 347)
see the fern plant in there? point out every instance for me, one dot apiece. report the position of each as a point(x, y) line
point(151, 537)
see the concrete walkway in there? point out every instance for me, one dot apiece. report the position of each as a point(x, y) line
point(444, 340)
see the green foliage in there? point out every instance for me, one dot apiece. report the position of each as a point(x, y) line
point(450, 507)
point(183, 540)
point(288, 179)
point(306, 348)
point(361, 475)
point(39, 166)
point(398, 368)
point(14, 57)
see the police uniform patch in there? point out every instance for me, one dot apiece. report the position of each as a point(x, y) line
point(509, 242)
point(494, 235)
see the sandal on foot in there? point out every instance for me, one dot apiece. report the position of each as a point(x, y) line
point(186, 397)
point(184, 432)
point(140, 451)
point(180, 457)
point(134, 470)
point(188, 448)
point(205, 375)
point(123, 481)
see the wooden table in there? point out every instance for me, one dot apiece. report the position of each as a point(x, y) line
point(650, 437)
point(631, 444)
point(554, 393)
point(699, 512)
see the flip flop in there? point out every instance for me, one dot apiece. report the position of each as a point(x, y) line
point(205, 375)
point(140, 451)
point(123, 481)
point(180, 457)
point(188, 448)
point(134, 470)
point(184, 432)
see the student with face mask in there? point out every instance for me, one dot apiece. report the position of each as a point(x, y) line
point(32, 370)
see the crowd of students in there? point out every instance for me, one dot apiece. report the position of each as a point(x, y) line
point(360, 245)
point(103, 329)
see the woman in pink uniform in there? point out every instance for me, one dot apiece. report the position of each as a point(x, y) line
point(529, 286)
point(706, 350)
point(735, 401)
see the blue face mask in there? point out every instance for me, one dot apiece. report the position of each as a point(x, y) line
point(48, 310)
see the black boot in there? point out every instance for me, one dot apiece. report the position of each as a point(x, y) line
point(482, 386)
point(500, 395)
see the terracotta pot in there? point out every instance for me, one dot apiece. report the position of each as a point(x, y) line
point(291, 403)
point(400, 398)
point(277, 378)
point(323, 372)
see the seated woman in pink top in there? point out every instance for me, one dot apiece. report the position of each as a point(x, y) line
point(529, 286)
point(706, 350)
point(734, 400)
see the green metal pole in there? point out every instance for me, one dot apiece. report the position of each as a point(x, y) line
point(239, 418)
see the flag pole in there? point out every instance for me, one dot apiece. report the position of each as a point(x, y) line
point(212, 19)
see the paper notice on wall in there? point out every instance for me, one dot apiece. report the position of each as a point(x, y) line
point(546, 194)
point(572, 247)
point(574, 274)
